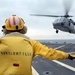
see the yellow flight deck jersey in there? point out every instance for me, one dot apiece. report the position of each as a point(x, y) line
point(17, 52)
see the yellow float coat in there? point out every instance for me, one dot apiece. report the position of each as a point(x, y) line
point(16, 53)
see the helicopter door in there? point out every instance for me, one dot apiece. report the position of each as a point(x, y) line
point(72, 27)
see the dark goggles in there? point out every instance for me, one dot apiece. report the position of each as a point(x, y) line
point(3, 26)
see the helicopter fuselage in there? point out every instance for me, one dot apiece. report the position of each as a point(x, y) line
point(64, 24)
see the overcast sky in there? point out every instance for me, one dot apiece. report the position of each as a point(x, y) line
point(38, 27)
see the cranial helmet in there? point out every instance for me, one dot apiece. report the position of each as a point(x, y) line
point(14, 23)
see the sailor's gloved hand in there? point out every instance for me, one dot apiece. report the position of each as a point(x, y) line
point(71, 56)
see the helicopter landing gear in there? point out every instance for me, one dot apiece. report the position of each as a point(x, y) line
point(69, 31)
point(56, 31)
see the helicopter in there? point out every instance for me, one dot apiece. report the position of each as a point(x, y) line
point(64, 22)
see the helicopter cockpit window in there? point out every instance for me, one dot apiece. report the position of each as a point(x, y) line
point(58, 19)
point(63, 20)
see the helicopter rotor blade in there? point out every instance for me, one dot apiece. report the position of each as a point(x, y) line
point(49, 15)
point(67, 5)
point(44, 15)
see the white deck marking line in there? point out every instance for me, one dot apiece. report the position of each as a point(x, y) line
point(59, 47)
point(65, 65)
point(34, 72)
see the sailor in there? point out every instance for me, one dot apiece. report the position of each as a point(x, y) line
point(17, 50)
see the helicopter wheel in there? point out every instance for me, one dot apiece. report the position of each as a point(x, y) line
point(69, 31)
point(56, 31)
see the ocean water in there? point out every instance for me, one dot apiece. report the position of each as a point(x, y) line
point(58, 41)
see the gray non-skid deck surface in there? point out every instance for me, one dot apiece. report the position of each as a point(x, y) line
point(47, 67)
